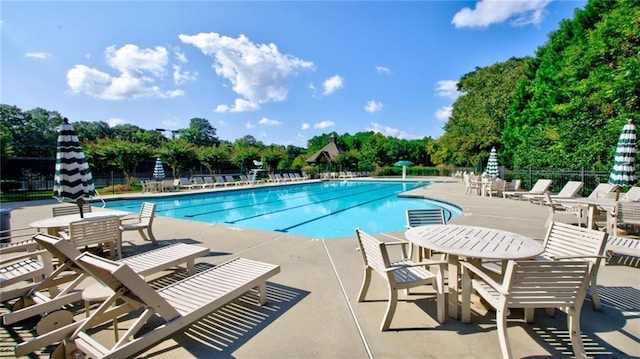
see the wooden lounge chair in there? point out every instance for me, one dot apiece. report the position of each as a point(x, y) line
point(33, 302)
point(530, 285)
point(177, 305)
point(569, 190)
point(23, 265)
point(144, 220)
point(401, 274)
point(540, 187)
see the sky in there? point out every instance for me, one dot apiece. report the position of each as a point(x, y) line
point(282, 72)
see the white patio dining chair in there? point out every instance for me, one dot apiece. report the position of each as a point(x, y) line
point(142, 222)
point(423, 217)
point(97, 231)
point(530, 285)
point(401, 274)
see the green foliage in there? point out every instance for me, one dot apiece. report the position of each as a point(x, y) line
point(214, 158)
point(179, 154)
point(200, 133)
point(115, 153)
point(33, 133)
point(579, 91)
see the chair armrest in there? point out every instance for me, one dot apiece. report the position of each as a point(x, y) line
point(484, 276)
point(26, 245)
point(576, 257)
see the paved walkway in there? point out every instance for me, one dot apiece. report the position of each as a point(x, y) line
point(312, 311)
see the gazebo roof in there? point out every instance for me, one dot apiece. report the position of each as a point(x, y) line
point(328, 152)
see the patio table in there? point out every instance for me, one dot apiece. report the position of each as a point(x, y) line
point(605, 204)
point(474, 243)
point(54, 224)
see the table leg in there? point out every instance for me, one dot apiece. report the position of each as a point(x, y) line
point(454, 287)
point(590, 216)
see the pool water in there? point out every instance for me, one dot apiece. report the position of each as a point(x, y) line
point(331, 209)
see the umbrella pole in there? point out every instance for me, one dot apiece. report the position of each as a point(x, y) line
point(79, 202)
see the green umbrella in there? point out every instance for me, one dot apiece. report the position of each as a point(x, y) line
point(404, 165)
point(624, 173)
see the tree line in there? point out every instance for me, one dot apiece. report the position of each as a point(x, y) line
point(33, 133)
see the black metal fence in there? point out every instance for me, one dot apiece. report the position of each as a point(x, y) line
point(30, 185)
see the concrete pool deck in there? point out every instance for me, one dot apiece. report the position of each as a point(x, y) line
point(312, 310)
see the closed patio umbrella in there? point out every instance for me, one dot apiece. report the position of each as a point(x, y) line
point(624, 172)
point(492, 164)
point(72, 179)
point(404, 165)
point(158, 170)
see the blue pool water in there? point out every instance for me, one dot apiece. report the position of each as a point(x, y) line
point(319, 210)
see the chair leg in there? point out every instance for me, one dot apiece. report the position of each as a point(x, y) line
point(466, 296)
point(391, 309)
point(144, 236)
point(573, 322)
point(440, 298)
point(595, 297)
point(501, 319)
point(151, 236)
point(365, 284)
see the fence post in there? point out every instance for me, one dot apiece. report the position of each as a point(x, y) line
point(530, 177)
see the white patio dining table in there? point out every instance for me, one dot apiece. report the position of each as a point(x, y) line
point(54, 224)
point(473, 243)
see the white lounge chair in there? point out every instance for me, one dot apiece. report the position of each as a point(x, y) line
point(198, 182)
point(177, 306)
point(143, 221)
point(230, 180)
point(540, 187)
point(530, 285)
point(569, 190)
point(401, 274)
point(33, 302)
point(184, 182)
point(22, 266)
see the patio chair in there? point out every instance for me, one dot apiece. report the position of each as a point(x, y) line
point(229, 179)
point(494, 187)
point(471, 184)
point(220, 181)
point(209, 182)
point(70, 209)
point(143, 221)
point(423, 217)
point(33, 302)
point(97, 231)
point(198, 182)
point(177, 306)
point(530, 285)
point(513, 185)
point(540, 187)
point(569, 190)
point(401, 274)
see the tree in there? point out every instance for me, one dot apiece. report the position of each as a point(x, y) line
point(214, 157)
point(272, 155)
point(91, 131)
point(179, 154)
point(33, 133)
point(116, 153)
point(200, 133)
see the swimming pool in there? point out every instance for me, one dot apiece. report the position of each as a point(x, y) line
point(323, 210)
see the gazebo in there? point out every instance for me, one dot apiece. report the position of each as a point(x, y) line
point(327, 154)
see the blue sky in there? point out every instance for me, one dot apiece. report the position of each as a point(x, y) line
point(282, 72)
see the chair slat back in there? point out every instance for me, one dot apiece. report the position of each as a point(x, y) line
point(628, 212)
point(58, 247)
point(147, 212)
point(422, 217)
point(119, 276)
point(71, 209)
point(602, 190)
point(91, 231)
point(566, 240)
point(514, 185)
point(633, 194)
point(570, 189)
point(541, 185)
point(374, 253)
point(546, 283)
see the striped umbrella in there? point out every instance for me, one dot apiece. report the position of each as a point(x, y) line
point(492, 164)
point(158, 170)
point(624, 172)
point(73, 179)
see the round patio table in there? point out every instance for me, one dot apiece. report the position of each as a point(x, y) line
point(54, 223)
point(474, 243)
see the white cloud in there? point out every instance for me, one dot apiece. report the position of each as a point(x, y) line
point(249, 125)
point(383, 70)
point(305, 126)
point(240, 105)
point(332, 84)
point(488, 12)
point(390, 131)
point(324, 124)
point(180, 56)
point(37, 55)
point(180, 77)
point(112, 122)
point(170, 124)
point(447, 88)
point(444, 113)
point(269, 122)
point(139, 71)
point(373, 106)
point(259, 73)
